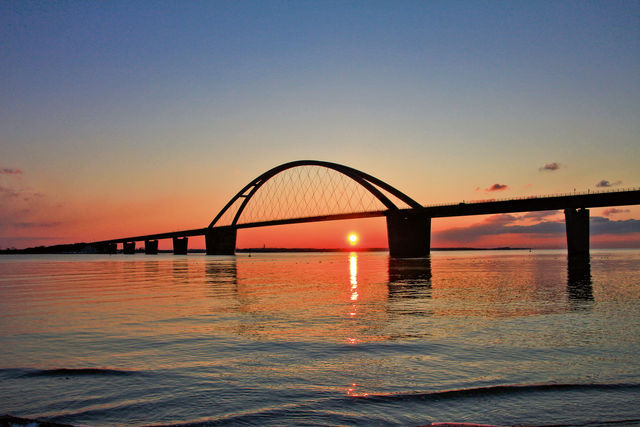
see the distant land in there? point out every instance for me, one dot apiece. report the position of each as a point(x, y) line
point(369, 249)
point(83, 249)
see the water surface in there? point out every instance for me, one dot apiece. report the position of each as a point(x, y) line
point(501, 337)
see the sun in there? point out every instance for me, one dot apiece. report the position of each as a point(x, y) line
point(352, 238)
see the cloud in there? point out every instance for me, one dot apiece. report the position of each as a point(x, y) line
point(538, 215)
point(31, 196)
point(12, 193)
point(24, 208)
point(501, 219)
point(553, 166)
point(500, 224)
point(10, 171)
point(8, 192)
point(601, 225)
point(613, 211)
point(25, 218)
point(506, 224)
point(605, 183)
point(496, 187)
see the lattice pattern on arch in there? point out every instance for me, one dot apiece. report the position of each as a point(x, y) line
point(301, 192)
point(227, 217)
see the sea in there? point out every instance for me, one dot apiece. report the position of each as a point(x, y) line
point(340, 338)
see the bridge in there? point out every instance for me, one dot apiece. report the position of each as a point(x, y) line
point(312, 191)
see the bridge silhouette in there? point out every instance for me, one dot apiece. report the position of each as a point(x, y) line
point(313, 191)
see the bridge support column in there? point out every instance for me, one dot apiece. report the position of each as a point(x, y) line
point(151, 247)
point(577, 222)
point(409, 234)
point(221, 241)
point(180, 245)
point(129, 248)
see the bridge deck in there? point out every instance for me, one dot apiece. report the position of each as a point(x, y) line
point(546, 203)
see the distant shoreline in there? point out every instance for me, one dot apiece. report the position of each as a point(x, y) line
point(45, 250)
point(269, 250)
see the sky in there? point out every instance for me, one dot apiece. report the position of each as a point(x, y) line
point(124, 118)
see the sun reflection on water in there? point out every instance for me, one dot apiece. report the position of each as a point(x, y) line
point(353, 392)
point(353, 280)
point(353, 276)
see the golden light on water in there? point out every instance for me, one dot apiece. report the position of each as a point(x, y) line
point(353, 273)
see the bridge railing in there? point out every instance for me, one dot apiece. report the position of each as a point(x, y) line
point(543, 196)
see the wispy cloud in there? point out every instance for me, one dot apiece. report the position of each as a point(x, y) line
point(613, 211)
point(605, 183)
point(23, 208)
point(12, 193)
point(10, 171)
point(601, 225)
point(500, 224)
point(553, 166)
point(538, 215)
point(496, 187)
point(8, 192)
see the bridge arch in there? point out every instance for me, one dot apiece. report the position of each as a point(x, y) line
point(371, 184)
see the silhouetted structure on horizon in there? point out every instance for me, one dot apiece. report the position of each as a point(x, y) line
point(408, 222)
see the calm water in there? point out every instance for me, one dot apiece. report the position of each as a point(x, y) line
point(338, 338)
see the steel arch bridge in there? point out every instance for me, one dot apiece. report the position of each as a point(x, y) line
point(311, 191)
point(308, 191)
point(298, 205)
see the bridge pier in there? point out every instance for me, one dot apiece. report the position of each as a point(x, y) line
point(151, 247)
point(577, 222)
point(180, 245)
point(409, 234)
point(129, 248)
point(221, 241)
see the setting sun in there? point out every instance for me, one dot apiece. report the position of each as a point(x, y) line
point(352, 238)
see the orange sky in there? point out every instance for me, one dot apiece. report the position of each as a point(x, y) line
point(43, 220)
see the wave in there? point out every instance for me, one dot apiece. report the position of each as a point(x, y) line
point(335, 409)
point(589, 423)
point(8, 420)
point(497, 390)
point(64, 372)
